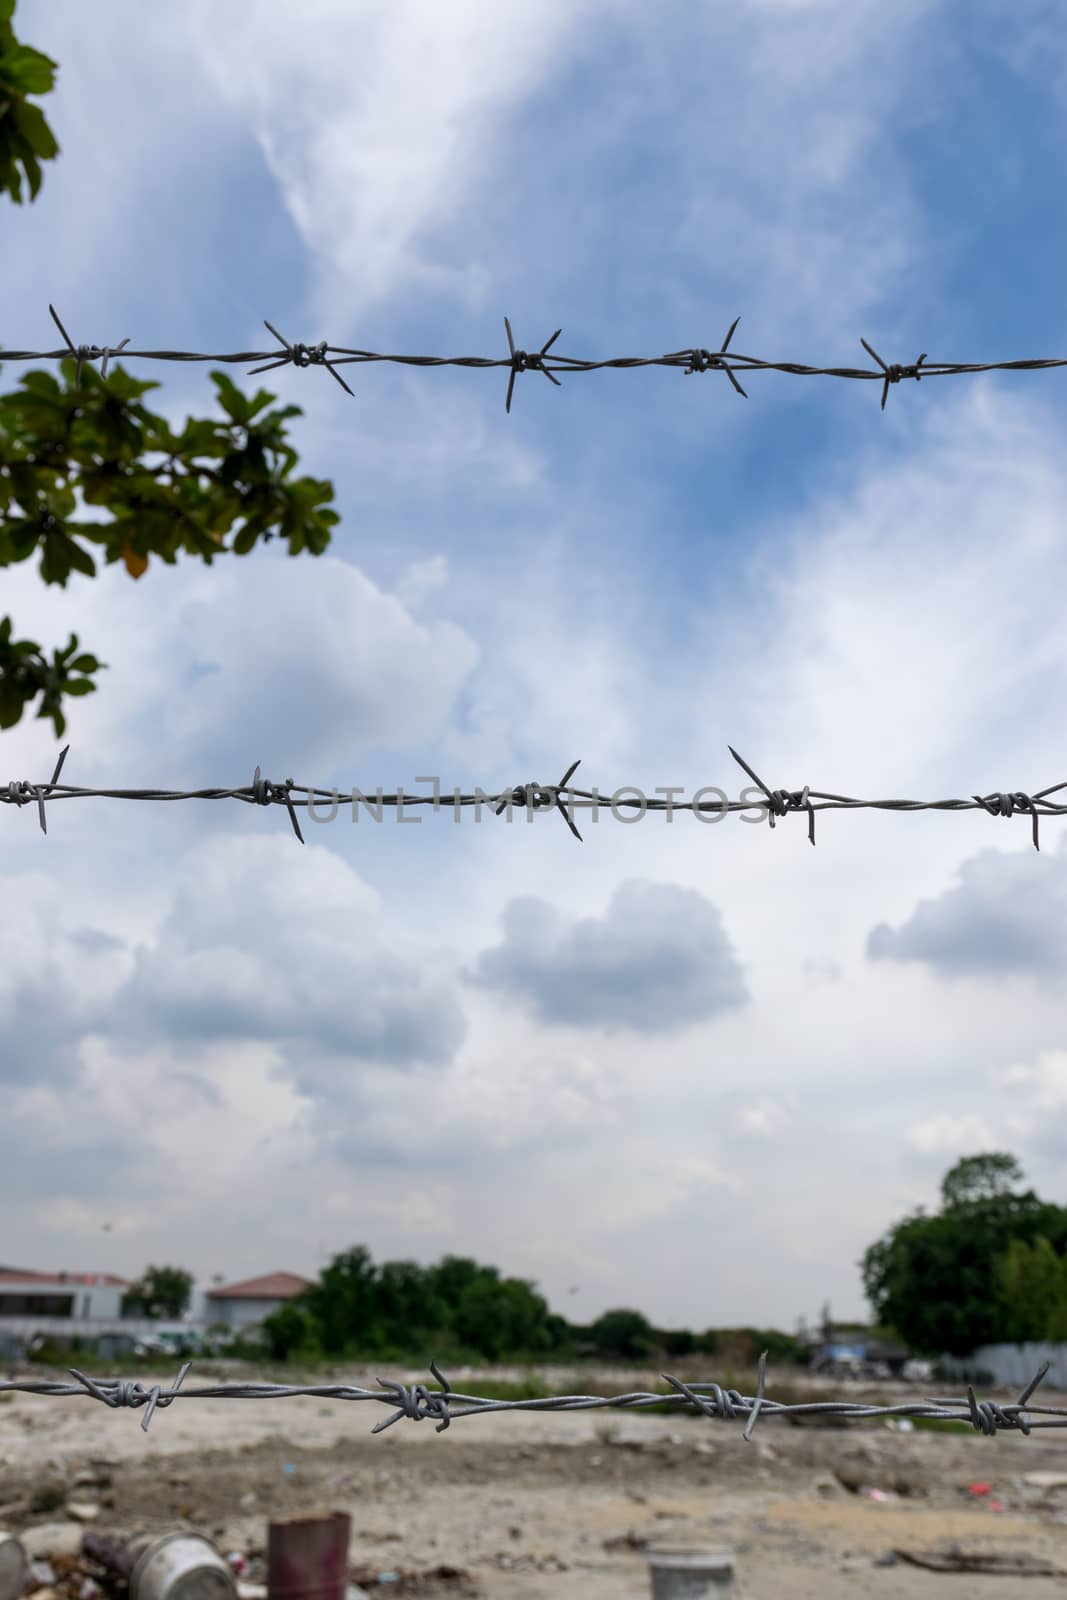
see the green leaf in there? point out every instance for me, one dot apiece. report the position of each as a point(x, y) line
point(35, 129)
point(231, 399)
point(27, 71)
point(81, 560)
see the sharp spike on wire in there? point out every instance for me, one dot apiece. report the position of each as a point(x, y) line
point(747, 1435)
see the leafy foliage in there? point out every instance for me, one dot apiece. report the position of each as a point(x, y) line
point(220, 486)
point(216, 488)
point(976, 1273)
point(161, 1292)
point(25, 137)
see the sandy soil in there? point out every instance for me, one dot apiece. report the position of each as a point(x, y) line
point(530, 1505)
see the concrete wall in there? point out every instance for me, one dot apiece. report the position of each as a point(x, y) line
point(1012, 1365)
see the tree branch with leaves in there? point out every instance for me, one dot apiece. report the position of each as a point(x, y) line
point(216, 488)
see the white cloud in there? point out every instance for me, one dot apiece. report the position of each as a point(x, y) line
point(657, 962)
point(1041, 1087)
point(376, 123)
point(266, 942)
point(952, 1136)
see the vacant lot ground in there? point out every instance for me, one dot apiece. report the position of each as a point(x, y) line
point(532, 1505)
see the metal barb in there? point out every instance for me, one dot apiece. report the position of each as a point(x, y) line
point(85, 352)
point(523, 361)
point(301, 355)
point(706, 361)
point(1004, 805)
point(762, 1373)
point(893, 372)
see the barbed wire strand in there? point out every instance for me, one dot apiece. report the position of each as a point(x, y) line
point(417, 1402)
point(517, 360)
point(536, 797)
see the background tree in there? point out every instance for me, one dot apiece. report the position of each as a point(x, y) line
point(408, 1313)
point(986, 1177)
point(343, 1301)
point(1032, 1286)
point(288, 1331)
point(499, 1317)
point(215, 488)
point(450, 1277)
point(160, 1292)
point(939, 1281)
point(623, 1335)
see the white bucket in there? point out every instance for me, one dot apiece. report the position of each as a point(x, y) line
point(691, 1574)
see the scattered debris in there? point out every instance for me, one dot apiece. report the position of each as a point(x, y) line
point(14, 1567)
point(82, 1510)
point(530, 1563)
point(630, 1540)
point(1007, 1564)
point(52, 1539)
point(442, 1580)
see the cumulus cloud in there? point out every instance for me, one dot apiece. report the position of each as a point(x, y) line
point(656, 962)
point(57, 982)
point(265, 942)
point(345, 665)
point(1005, 917)
point(1041, 1086)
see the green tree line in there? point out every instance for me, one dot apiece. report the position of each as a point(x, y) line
point(402, 1311)
point(988, 1267)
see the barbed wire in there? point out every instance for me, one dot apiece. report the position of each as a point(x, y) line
point(691, 360)
point(536, 797)
point(417, 1402)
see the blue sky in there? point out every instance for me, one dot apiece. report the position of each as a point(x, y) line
point(694, 1069)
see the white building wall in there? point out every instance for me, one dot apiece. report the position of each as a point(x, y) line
point(89, 1301)
point(239, 1313)
point(1012, 1365)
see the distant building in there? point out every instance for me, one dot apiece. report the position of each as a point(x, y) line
point(81, 1296)
point(850, 1346)
point(89, 1305)
point(240, 1305)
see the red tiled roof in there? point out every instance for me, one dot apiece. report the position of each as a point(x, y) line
point(273, 1286)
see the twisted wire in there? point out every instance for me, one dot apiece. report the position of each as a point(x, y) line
point(417, 1402)
point(693, 360)
point(536, 798)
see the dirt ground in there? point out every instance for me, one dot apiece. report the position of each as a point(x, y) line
point(526, 1505)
